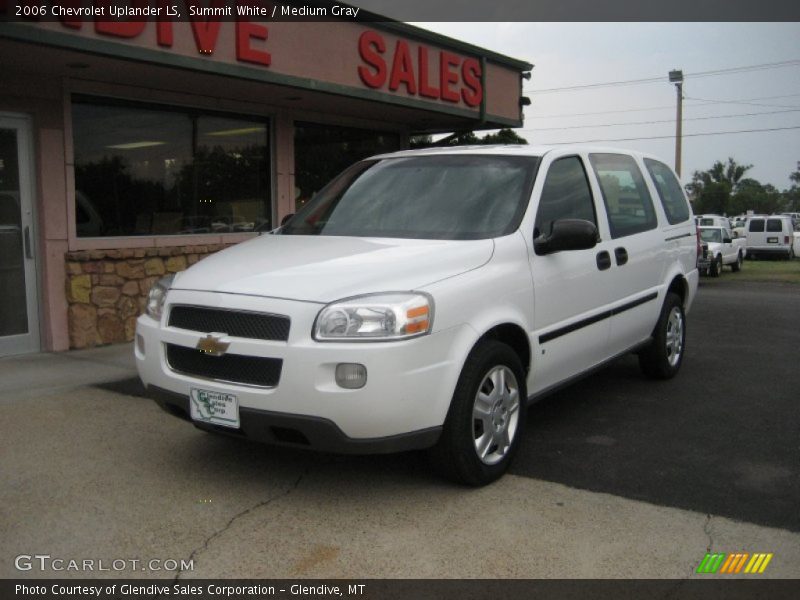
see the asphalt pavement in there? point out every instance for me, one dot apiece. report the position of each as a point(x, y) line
point(617, 476)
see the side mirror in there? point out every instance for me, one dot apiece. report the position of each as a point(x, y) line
point(567, 234)
point(727, 240)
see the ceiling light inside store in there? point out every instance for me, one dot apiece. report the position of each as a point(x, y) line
point(242, 131)
point(135, 145)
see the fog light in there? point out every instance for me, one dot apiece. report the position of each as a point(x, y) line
point(351, 376)
point(140, 343)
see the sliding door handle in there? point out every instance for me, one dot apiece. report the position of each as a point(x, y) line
point(27, 242)
point(621, 255)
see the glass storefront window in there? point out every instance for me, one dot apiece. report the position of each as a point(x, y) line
point(321, 152)
point(142, 170)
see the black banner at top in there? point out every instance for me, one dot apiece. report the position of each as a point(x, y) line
point(408, 10)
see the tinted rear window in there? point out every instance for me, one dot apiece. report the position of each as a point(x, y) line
point(774, 225)
point(669, 191)
point(756, 226)
point(706, 222)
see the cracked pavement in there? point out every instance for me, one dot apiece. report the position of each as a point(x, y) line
point(90, 470)
point(96, 474)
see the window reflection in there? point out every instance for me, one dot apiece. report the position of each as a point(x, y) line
point(159, 171)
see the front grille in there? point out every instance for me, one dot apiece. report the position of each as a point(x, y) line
point(233, 368)
point(258, 326)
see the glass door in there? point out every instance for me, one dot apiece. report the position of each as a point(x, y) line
point(19, 308)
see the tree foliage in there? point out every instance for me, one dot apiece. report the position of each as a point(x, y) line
point(468, 138)
point(723, 189)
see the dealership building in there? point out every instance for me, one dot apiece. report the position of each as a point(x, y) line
point(129, 150)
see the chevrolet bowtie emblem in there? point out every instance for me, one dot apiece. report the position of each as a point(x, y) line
point(212, 344)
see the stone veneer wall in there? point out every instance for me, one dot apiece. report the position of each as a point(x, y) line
point(107, 289)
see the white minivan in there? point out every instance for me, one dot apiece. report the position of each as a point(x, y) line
point(423, 299)
point(770, 236)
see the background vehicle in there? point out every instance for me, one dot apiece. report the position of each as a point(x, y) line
point(713, 221)
point(770, 236)
point(723, 249)
point(423, 299)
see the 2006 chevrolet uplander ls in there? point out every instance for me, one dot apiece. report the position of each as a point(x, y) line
point(424, 298)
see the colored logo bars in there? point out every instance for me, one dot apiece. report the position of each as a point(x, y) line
point(734, 563)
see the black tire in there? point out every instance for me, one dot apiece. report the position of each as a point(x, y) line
point(716, 267)
point(737, 266)
point(663, 358)
point(455, 456)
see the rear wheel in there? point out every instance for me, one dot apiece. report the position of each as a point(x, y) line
point(737, 266)
point(486, 417)
point(663, 358)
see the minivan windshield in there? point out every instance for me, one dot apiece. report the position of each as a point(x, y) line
point(448, 197)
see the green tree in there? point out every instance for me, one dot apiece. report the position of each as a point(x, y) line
point(752, 195)
point(468, 138)
point(711, 190)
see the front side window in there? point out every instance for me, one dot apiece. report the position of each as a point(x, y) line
point(628, 203)
point(669, 191)
point(565, 195)
point(455, 197)
point(143, 170)
point(756, 226)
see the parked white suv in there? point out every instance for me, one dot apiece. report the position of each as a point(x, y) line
point(424, 298)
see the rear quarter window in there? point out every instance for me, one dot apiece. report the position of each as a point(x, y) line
point(627, 201)
point(756, 226)
point(669, 191)
point(774, 225)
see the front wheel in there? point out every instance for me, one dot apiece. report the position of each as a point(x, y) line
point(737, 266)
point(716, 267)
point(663, 358)
point(486, 418)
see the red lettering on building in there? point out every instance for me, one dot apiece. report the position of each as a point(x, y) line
point(206, 31)
point(370, 48)
point(403, 69)
point(245, 33)
point(447, 77)
point(460, 79)
point(425, 88)
point(472, 92)
point(164, 36)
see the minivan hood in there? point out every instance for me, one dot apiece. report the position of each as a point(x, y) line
point(327, 268)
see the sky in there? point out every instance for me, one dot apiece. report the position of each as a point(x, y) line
point(569, 54)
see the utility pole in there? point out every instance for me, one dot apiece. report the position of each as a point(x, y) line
point(676, 77)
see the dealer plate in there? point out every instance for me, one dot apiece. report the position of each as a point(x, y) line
point(772, 240)
point(214, 408)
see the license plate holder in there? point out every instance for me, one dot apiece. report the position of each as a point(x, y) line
point(214, 408)
point(772, 240)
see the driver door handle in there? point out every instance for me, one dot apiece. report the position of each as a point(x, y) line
point(603, 260)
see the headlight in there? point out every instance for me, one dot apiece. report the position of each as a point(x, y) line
point(157, 296)
point(376, 317)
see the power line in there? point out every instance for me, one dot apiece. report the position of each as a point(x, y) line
point(647, 80)
point(669, 137)
point(742, 102)
point(670, 106)
point(770, 112)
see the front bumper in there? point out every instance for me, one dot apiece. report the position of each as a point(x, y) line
point(407, 395)
point(298, 430)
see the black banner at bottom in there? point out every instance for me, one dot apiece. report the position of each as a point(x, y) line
point(411, 589)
